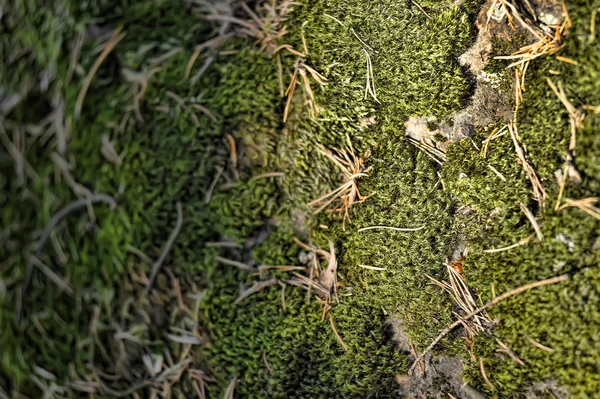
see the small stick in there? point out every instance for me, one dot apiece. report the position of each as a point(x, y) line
point(592, 36)
point(538, 189)
point(534, 223)
point(540, 346)
point(156, 266)
point(340, 340)
point(359, 39)
point(390, 228)
point(284, 268)
point(110, 45)
point(567, 60)
point(483, 373)
point(264, 356)
point(280, 75)
point(334, 18)
point(372, 267)
point(222, 244)
point(304, 45)
point(190, 64)
point(522, 242)
point(290, 94)
point(509, 352)
point(490, 304)
point(237, 264)
point(212, 186)
point(496, 172)
point(230, 389)
point(234, 160)
point(415, 354)
point(55, 278)
point(283, 305)
point(266, 175)
point(256, 287)
point(421, 9)
point(561, 191)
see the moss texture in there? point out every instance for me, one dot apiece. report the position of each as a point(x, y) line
point(175, 152)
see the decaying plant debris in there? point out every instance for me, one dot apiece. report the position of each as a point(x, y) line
point(265, 240)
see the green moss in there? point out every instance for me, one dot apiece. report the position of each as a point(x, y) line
point(169, 158)
point(549, 315)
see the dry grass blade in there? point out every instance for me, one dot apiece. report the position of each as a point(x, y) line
point(352, 168)
point(484, 374)
point(496, 172)
point(337, 335)
point(239, 265)
point(256, 287)
point(540, 346)
point(172, 237)
point(305, 282)
point(509, 352)
point(567, 60)
point(233, 155)
point(305, 71)
point(586, 205)
point(493, 302)
point(539, 193)
point(263, 268)
point(576, 116)
point(461, 293)
point(327, 279)
point(60, 215)
point(230, 389)
point(370, 85)
point(561, 190)
point(290, 94)
point(390, 228)
point(267, 175)
point(212, 186)
point(372, 267)
point(550, 40)
point(435, 154)
point(592, 36)
point(421, 9)
point(533, 221)
point(267, 365)
point(52, 276)
point(110, 45)
point(494, 135)
point(280, 75)
point(264, 24)
point(522, 242)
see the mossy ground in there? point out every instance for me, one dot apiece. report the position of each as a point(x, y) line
point(171, 156)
